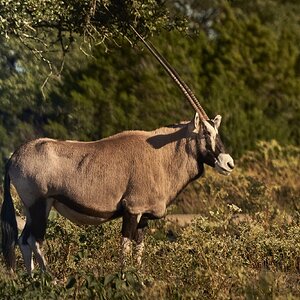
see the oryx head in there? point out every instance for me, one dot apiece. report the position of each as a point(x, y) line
point(211, 149)
point(205, 130)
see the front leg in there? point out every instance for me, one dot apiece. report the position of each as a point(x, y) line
point(139, 239)
point(129, 231)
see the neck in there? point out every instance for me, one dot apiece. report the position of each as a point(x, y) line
point(179, 156)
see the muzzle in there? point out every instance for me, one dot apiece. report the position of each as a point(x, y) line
point(224, 164)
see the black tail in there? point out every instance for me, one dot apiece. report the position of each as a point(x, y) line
point(8, 224)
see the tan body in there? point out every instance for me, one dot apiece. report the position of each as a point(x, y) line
point(132, 169)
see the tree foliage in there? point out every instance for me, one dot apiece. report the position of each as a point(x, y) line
point(241, 68)
point(242, 61)
point(48, 25)
point(104, 17)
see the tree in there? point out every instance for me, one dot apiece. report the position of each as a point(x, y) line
point(121, 90)
point(241, 69)
point(43, 25)
point(24, 109)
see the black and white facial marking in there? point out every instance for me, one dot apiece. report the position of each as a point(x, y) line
point(214, 153)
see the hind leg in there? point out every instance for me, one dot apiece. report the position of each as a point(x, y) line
point(34, 233)
point(26, 249)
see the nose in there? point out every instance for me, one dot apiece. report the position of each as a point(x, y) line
point(230, 164)
point(224, 164)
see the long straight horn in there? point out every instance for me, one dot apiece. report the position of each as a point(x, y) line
point(187, 88)
point(175, 76)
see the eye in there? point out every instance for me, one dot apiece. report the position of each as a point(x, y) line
point(207, 132)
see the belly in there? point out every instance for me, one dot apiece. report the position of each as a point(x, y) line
point(84, 217)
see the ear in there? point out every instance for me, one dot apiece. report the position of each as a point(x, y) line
point(217, 121)
point(195, 124)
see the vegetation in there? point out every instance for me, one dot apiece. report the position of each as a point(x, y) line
point(242, 60)
point(43, 26)
point(240, 63)
point(245, 243)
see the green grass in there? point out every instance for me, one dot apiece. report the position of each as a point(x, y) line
point(245, 243)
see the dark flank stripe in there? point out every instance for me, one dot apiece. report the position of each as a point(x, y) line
point(87, 211)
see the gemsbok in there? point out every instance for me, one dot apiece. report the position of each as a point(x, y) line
point(133, 174)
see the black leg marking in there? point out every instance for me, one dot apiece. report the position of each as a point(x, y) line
point(129, 226)
point(25, 234)
point(34, 232)
point(38, 219)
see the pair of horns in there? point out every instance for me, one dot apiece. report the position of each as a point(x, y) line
point(174, 75)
